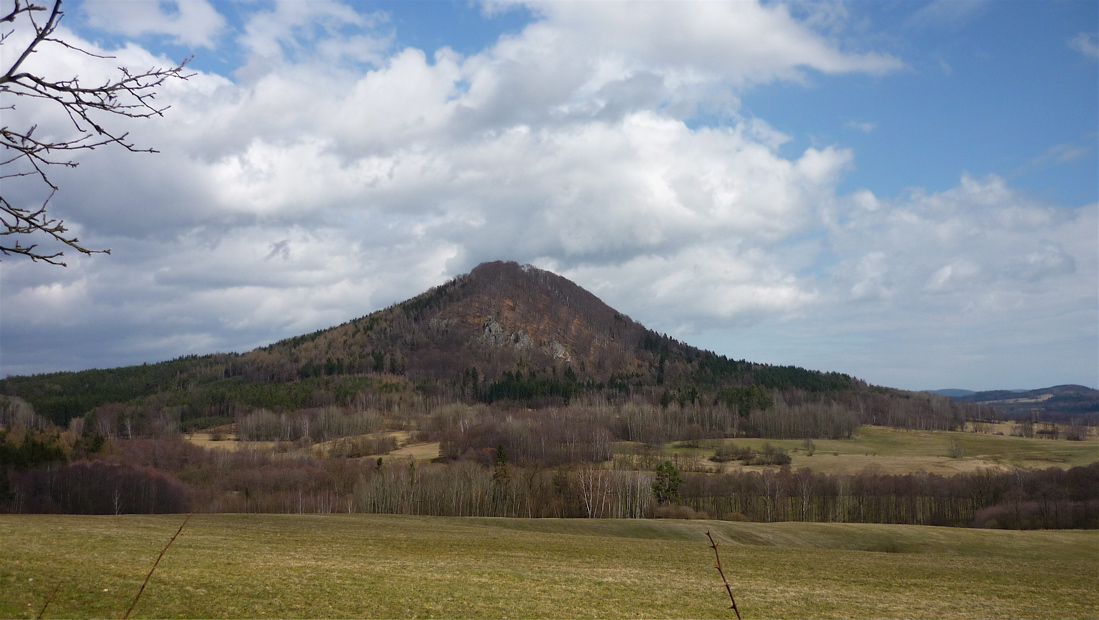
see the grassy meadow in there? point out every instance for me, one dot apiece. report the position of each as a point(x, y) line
point(899, 451)
point(268, 566)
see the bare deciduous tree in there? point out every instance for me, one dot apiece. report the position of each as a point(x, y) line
point(130, 94)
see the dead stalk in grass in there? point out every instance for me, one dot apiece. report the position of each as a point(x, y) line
point(724, 581)
point(150, 575)
point(52, 594)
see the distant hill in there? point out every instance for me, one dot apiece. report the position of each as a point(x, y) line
point(1057, 403)
point(952, 393)
point(503, 333)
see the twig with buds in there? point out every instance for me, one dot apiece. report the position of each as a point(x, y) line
point(725, 581)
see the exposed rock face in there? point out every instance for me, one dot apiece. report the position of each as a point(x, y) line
point(559, 351)
point(495, 335)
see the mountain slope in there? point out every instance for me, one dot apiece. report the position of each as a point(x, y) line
point(501, 332)
point(499, 318)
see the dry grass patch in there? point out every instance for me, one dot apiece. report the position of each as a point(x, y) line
point(225, 438)
point(418, 451)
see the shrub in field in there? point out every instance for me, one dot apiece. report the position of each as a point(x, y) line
point(679, 512)
point(724, 454)
point(771, 455)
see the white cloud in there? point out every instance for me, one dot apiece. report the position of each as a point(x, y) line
point(948, 13)
point(586, 57)
point(863, 126)
point(739, 41)
point(703, 285)
point(1086, 43)
point(325, 35)
point(981, 242)
point(193, 23)
point(1059, 154)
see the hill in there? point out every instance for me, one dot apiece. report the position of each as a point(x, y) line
point(499, 318)
point(502, 332)
point(952, 393)
point(511, 331)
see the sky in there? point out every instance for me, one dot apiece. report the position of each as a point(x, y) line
point(906, 192)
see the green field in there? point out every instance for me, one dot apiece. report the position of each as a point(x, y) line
point(420, 567)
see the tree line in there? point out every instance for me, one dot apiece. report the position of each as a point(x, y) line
point(171, 475)
point(499, 460)
point(1039, 499)
point(322, 408)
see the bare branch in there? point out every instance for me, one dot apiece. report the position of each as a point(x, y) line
point(41, 32)
point(16, 221)
point(49, 600)
point(150, 575)
point(728, 588)
point(130, 96)
point(18, 8)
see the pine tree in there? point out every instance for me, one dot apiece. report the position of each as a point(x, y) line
point(501, 476)
point(666, 484)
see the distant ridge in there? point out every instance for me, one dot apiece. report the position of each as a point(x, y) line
point(952, 393)
point(1059, 402)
